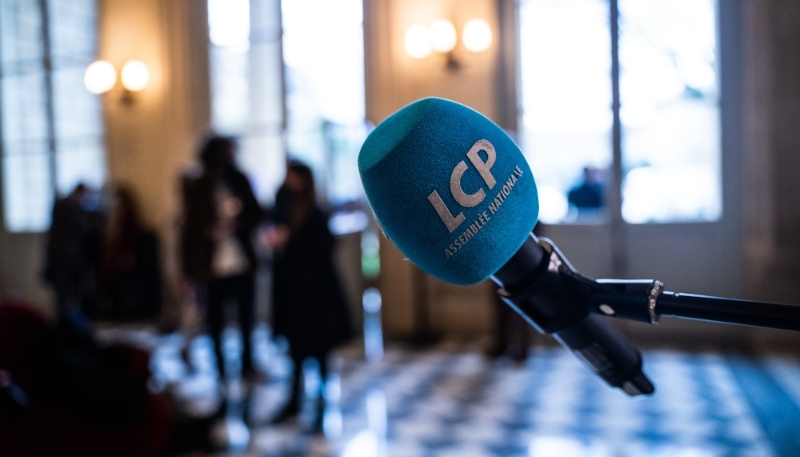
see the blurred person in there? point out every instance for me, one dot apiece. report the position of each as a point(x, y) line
point(71, 251)
point(64, 393)
point(129, 277)
point(588, 195)
point(309, 308)
point(217, 253)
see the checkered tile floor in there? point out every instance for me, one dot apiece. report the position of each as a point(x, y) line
point(450, 400)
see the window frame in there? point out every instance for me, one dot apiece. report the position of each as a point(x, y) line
point(727, 26)
point(52, 139)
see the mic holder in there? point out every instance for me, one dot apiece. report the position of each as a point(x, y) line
point(543, 287)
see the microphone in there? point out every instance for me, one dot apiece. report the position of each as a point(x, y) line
point(453, 191)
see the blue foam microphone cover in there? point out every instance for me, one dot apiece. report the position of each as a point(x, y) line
point(450, 188)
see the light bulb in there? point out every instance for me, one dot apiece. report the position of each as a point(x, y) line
point(418, 41)
point(477, 35)
point(99, 77)
point(135, 75)
point(443, 35)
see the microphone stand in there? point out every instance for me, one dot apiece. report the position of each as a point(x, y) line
point(545, 289)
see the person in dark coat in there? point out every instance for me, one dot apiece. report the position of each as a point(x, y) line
point(129, 276)
point(217, 253)
point(71, 252)
point(309, 308)
point(588, 195)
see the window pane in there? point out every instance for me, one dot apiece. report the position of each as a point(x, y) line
point(325, 90)
point(73, 34)
point(80, 160)
point(27, 189)
point(21, 33)
point(229, 31)
point(78, 122)
point(262, 149)
point(669, 91)
point(246, 86)
point(566, 105)
point(23, 115)
point(28, 186)
point(262, 158)
point(79, 132)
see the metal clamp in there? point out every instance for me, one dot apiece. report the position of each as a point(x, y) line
point(652, 299)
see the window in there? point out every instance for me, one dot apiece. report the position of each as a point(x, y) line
point(50, 125)
point(323, 49)
point(247, 86)
point(666, 108)
point(304, 58)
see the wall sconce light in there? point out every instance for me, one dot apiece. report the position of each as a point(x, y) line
point(441, 37)
point(101, 76)
point(135, 75)
point(477, 35)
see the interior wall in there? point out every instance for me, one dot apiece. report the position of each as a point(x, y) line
point(758, 207)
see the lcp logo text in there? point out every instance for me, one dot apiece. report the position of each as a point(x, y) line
point(462, 198)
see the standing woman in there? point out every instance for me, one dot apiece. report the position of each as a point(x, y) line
point(308, 305)
point(217, 253)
